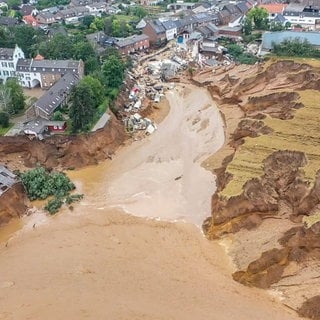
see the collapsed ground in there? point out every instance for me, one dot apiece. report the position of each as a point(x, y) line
point(267, 205)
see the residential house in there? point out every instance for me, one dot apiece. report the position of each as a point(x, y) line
point(27, 10)
point(44, 17)
point(57, 95)
point(133, 44)
point(180, 5)
point(273, 9)
point(45, 73)
point(8, 62)
point(72, 15)
point(209, 30)
point(230, 32)
point(81, 3)
point(39, 127)
point(97, 8)
point(300, 14)
point(155, 31)
point(170, 28)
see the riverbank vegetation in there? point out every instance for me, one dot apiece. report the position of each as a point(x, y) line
point(41, 184)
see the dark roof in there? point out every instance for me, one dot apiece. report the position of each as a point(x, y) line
point(46, 15)
point(26, 9)
point(57, 93)
point(280, 18)
point(60, 29)
point(242, 6)
point(168, 25)
point(6, 53)
point(157, 26)
point(233, 9)
point(8, 21)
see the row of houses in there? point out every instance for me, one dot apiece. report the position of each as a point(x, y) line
point(58, 76)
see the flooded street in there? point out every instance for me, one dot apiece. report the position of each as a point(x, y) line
point(96, 262)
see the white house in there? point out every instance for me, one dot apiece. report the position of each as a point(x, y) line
point(170, 28)
point(8, 62)
point(299, 14)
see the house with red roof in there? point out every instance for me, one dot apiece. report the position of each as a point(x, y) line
point(30, 20)
point(274, 9)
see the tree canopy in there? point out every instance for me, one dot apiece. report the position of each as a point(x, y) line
point(82, 107)
point(113, 71)
point(258, 17)
point(16, 97)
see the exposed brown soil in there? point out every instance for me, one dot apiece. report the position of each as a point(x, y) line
point(281, 192)
point(13, 203)
point(65, 151)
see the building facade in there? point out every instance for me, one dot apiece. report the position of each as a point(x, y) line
point(8, 62)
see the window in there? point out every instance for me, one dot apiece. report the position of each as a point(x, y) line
point(12, 73)
point(11, 65)
point(4, 64)
point(5, 73)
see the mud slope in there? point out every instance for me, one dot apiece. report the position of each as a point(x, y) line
point(64, 151)
point(269, 184)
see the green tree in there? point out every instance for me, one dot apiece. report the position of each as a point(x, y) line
point(108, 25)
point(91, 65)
point(17, 98)
point(247, 27)
point(82, 107)
point(96, 88)
point(87, 20)
point(259, 17)
point(139, 12)
point(13, 4)
point(59, 47)
point(113, 71)
point(25, 36)
point(97, 24)
point(5, 97)
point(82, 50)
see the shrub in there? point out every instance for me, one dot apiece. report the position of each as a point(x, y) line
point(41, 184)
point(54, 205)
point(4, 119)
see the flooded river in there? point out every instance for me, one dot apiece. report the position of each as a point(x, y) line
point(96, 262)
point(161, 176)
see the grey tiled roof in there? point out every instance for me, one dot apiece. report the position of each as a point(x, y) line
point(168, 25)
point(57, 93)
point(6, 53)
point(157, 26)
